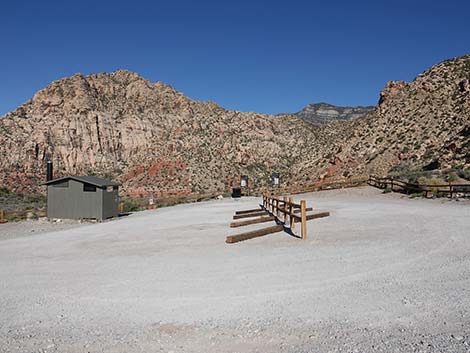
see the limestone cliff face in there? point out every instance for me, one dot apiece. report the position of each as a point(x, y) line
point(154, 139)
point(323, 113)
point(421, 124)
point(148, 136)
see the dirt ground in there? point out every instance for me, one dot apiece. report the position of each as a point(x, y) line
point(383, 273)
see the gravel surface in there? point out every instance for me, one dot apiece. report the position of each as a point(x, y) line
point(34, 227)
point(383, 273)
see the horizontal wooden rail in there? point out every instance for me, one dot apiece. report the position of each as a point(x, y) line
point(248, 211)
point(318, 215)
point(254, 234)
point(393, 184)
point(252, 221)
point(248, 215)
point(5, 215)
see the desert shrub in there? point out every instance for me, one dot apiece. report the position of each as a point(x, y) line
point(422, 180)
point(405, 172)
point(430, 181)
point(34, 198)
point(130, 205)
point(452, 177)
point(33, 215)
point(415, 195)
point(464, 173)
point(387, 190)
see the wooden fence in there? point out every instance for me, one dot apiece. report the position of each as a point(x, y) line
point(5, 216)
point(283, 211)
point(451, 190)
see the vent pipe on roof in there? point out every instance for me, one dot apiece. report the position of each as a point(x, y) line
point(49, 171)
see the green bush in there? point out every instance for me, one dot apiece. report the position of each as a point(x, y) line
point(34, 198)
point(4, 191)
point(130, 205)
point(452, 177)
point(464, 173)
point(416, 194)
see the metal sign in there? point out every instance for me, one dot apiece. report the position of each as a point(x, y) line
point(244, 181)
point(275, 179)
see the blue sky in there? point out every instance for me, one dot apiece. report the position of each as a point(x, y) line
point(264, 56)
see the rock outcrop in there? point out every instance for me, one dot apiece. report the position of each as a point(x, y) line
point(423, 124)
point(155, 140)
point(323, 113)
point(148, 136)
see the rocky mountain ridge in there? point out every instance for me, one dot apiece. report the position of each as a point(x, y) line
point(323, 113)
point(148, 136)
point(155, 140)
point(420, 125)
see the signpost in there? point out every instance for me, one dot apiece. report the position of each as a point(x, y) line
point(275, 179)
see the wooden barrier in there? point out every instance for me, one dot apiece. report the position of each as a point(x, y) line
point(402, 186)
point(260, 213)
point(285, 212)
point(248, 211)
point(317, 215)
point(252, 221)
point(253, 234)
point(22, 214)
point(248, 215)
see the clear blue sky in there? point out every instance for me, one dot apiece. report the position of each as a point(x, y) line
point(271, 56)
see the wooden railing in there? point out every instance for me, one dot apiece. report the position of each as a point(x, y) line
point(283, 211)
point(335, 184)
point(392, 184)
point(5, 216)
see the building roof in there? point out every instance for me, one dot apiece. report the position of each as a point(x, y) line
point(99, 182)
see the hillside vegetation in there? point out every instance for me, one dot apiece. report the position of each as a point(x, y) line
point(153, 139)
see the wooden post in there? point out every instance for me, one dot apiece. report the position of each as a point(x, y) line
point(291, 219)
point(285, 209)
point(277, 207)
point(303, 213)
point(2, 216)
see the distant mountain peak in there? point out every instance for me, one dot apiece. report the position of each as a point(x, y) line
point(323, 113)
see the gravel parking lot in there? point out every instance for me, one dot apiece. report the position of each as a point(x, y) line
point(383, 273)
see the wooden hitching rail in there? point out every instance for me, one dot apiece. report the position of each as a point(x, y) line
point(285, 212)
